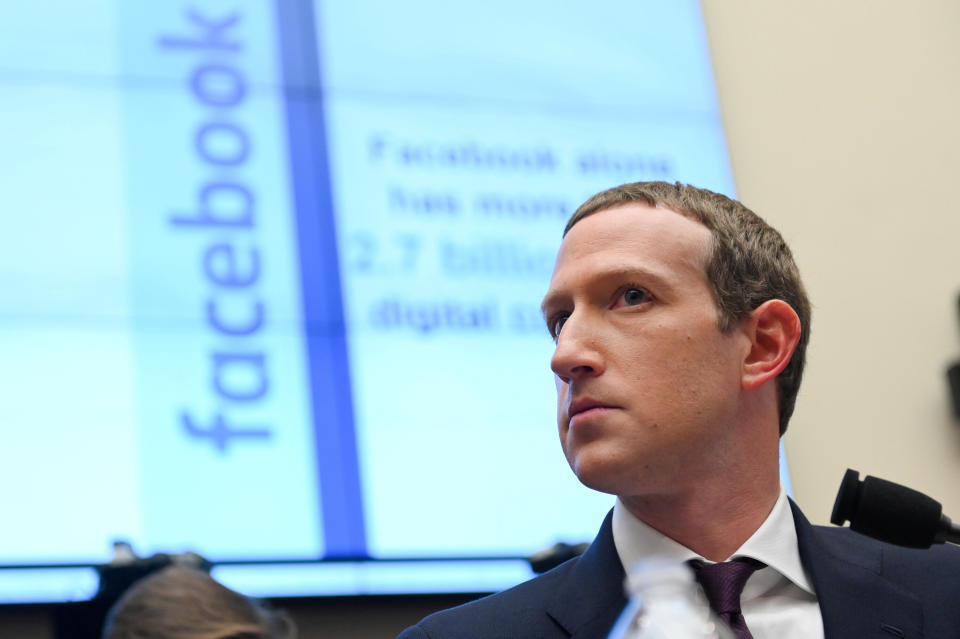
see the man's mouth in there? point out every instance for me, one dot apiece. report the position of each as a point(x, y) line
point(586, 404)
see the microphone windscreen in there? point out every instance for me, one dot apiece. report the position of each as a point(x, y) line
point(953, 378)
point(846, 502)
point(896, 514)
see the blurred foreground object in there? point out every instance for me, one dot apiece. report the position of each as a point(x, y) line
point(664, 602)
point(187, 603)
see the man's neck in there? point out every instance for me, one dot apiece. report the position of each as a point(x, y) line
point(712, 521)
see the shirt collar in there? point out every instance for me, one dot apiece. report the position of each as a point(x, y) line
point(774, 542)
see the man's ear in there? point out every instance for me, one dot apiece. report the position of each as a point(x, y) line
point(774, 330)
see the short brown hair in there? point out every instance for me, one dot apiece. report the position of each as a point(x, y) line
point(749, 262)
point(185, 603)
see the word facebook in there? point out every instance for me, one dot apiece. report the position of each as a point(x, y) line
point(224, 216)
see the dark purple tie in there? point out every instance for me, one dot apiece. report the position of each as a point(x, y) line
point(722, 583)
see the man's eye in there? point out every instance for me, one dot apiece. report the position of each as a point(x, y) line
point(556, 325)
point(634, 296)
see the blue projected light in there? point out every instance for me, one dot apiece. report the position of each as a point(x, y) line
point(271, 276)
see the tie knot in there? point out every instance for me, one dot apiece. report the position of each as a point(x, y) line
point(723, 582)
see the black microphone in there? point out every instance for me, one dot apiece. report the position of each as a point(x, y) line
point(890, 512)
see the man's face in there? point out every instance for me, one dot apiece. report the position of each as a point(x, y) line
point(647, 385)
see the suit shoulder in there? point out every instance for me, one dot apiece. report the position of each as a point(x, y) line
point(937, 566)
point(497, 616)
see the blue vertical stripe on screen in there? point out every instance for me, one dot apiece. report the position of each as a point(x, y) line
point(338, 471)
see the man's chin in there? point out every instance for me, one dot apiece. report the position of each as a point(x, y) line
point(596, 475)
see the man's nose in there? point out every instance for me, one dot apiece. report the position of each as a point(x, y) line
point(578, 353)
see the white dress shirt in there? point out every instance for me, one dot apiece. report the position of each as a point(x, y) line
point(778, 602)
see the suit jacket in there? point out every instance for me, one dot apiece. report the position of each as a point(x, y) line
point(865, 589)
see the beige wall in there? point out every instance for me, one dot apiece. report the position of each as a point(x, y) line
point(843, 122)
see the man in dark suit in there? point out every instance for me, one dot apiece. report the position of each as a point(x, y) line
point(681, 324)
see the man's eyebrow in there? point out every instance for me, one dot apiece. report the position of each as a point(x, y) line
point(551, 299)
point(642, 277)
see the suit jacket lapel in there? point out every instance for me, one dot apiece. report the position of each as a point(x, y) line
point(591, 596)
point(845, 568)
point(855, 599)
